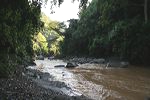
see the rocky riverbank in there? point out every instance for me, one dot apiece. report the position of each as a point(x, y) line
point(109, 62)
point(83, 60)
point(27, 85)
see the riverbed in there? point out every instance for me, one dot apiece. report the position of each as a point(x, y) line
point(101, 83)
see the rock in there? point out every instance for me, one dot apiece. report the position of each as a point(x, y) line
point(45, 76)
point(124, 64)
point(30, 74)
point(51, 57)
point(117, 62)
point(121, 64)
point(71, 65)
point(32, 63)
point(40, 57)
point(59, 66)
point(23, 74)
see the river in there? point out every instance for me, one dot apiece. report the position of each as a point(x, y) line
point(101, 83)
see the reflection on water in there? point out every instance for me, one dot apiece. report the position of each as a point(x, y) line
point(101, 83)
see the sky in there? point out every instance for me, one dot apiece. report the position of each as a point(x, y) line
point(66, 11)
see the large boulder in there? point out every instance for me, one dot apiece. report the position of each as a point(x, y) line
point(71, 65)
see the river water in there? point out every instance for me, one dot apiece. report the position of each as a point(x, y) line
point(100, 83)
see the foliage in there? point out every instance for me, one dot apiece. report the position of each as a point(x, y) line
point(110, 28)
point(40, 44)
point(19, 21)
point(47, 41)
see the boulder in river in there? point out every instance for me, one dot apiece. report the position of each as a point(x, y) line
point(117, 62)
point(59, 66)
point(71, 65)
point(122, 64)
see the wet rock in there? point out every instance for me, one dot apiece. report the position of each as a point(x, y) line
point(32, 63)
point(40, 57)
point(124, 64)
point(121, 64)
point(71, 65)
point(45, 76)
point(32, 73)
point(59, 66)
point(117, 62)
point(51, 57)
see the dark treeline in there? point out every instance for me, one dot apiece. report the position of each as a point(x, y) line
point(109, 28)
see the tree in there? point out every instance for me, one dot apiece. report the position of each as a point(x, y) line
point(20, 19)
point(145, 11)
point(111, 28)
point(47, 41)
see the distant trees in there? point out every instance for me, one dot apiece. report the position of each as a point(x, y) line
point(40, 45)
point(46, 42)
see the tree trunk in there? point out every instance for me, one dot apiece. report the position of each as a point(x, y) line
point(145, 11)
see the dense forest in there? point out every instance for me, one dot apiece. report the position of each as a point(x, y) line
point(20, 20)
point(25, 33)
point(105, 28)
point(108, 28)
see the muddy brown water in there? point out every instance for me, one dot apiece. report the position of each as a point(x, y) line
point(101, 83)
